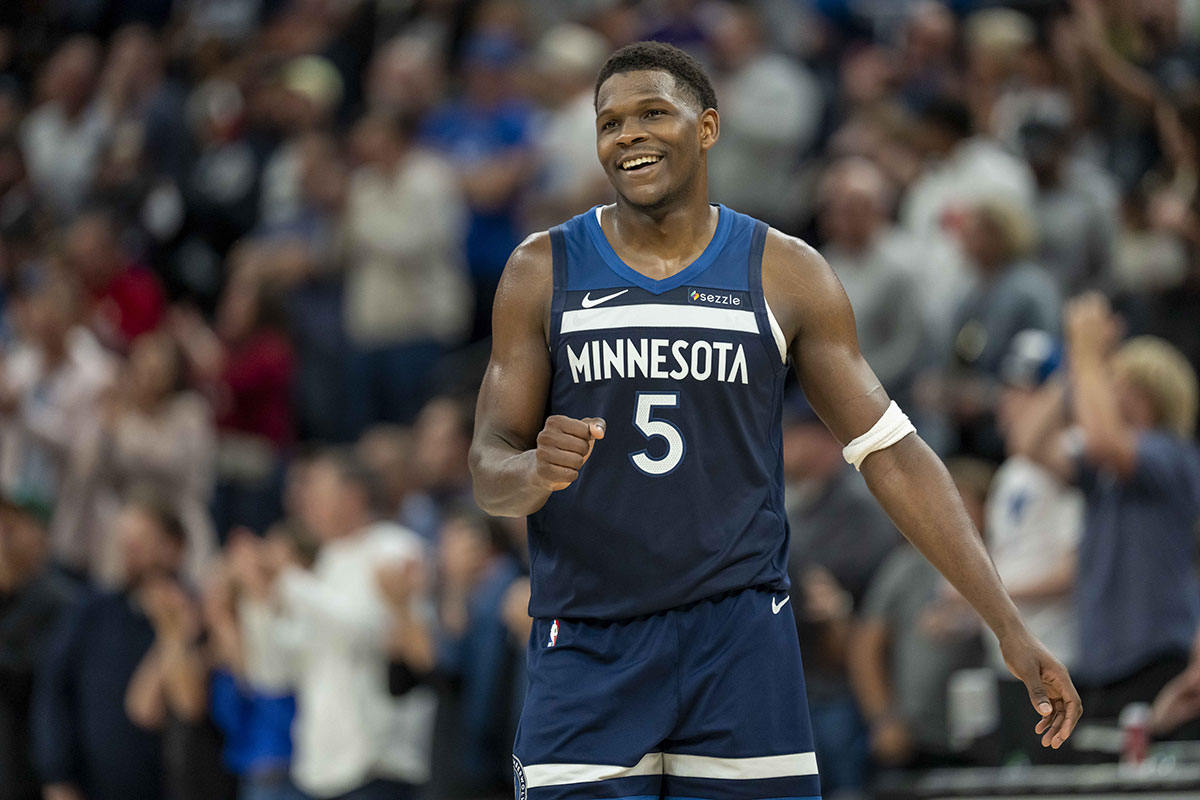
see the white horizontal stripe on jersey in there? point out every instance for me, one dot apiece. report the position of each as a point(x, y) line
point(658, 315)
point(791, 765)
point(539, 775)
point(785, 766)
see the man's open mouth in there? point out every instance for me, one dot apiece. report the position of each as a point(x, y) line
point(641, 162)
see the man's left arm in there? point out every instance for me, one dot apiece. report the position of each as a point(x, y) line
point(907, 478)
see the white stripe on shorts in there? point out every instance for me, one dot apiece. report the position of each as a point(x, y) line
point(538, 775)
point(682, 766)
point(787, 766)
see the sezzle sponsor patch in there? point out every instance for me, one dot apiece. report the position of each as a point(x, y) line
point(718, 297)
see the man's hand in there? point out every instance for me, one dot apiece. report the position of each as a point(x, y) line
point(563, 448)
point(891, 742)
point(61, 791)
point(1050, 689)
point(1092, 328)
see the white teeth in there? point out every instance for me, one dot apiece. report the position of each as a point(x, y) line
point(637, 162)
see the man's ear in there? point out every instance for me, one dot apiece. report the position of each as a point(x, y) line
point(710, 128)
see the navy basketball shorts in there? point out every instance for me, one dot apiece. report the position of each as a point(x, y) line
point(702, 702)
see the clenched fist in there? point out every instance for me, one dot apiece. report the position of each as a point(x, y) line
point(563, 448)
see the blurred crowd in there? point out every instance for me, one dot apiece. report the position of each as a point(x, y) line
point(248, 252)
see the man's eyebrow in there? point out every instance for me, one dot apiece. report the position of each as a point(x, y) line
point(646, 99)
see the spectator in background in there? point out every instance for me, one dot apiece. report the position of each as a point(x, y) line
point(156, 434)
point(135, 83)
point(440, 456)
point(298, 253)
point(1009, 294)
point(472, 656)
point(1138, 594)
point(874, 264)
point(1033, 526)
point(405, 77)
point(840, 537)
point(486, 136)
point(352, 741)
point(85, 744)
point(19, 208)
point(961, 170)
point(1075, 230)
point(569, 179)
point(914, 633)
point(50, 394)
point(125, 299)
point(1177, 707)
point(835, 521)
point(32, 598)
point(754, 169)
point(245, 367)
point(406, 296)
point(168, 694)
point(220, 188)
point(63, 136)
point(927, 51)
point(388, 451)
point(255, 721)
point(308, 96)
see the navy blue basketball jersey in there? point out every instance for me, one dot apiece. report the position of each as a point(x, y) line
point(683, 498)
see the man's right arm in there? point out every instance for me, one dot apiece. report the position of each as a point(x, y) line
point(518, 456)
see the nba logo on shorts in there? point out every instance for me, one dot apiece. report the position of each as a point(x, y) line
point(553, 635)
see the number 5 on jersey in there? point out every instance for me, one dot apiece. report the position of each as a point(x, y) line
point(651, 428)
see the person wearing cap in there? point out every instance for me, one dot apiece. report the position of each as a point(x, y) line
point(1132, 454)
point(32, 597)
point(1033, 522)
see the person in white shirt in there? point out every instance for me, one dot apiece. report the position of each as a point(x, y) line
point(323, 633)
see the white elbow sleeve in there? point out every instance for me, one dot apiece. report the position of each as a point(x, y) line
point(893, 426)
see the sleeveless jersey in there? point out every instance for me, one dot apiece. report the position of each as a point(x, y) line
point(683, 498)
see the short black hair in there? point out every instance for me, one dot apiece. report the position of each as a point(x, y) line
point(685, 69)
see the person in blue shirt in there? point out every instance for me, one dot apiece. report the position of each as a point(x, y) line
point(486, 135)
point(1137, 592)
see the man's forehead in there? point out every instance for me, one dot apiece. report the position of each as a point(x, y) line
point(630, 87)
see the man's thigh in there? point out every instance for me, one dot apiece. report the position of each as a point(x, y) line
point(601, 698)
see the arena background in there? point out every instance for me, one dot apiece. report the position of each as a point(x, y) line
point(248, 251)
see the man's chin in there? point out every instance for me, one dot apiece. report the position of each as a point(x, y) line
point(647, 201)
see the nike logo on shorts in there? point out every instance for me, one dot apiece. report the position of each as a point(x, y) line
point(776, 606)
point(588, 302)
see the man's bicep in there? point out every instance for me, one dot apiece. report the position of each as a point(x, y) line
point(839, 384)
point(512, 398)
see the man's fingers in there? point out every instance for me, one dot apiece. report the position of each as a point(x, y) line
point(596, 427)
point(559, 440)
point(1072, 713)
point(1038, 696)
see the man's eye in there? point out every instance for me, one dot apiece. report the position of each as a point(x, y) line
point(655, 112)
point(612, 123)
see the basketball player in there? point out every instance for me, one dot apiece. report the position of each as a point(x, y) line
point(632, 408)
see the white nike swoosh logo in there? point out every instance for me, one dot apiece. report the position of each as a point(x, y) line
point(588, 302)
point(775, 608)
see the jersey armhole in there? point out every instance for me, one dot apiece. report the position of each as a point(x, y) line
point(558, 300)
point(770, 332)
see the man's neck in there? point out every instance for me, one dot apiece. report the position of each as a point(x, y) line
point(671, 235)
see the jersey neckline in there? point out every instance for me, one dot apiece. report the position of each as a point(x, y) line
point(652, 285)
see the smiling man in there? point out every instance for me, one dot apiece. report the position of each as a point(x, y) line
point(632, 409)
